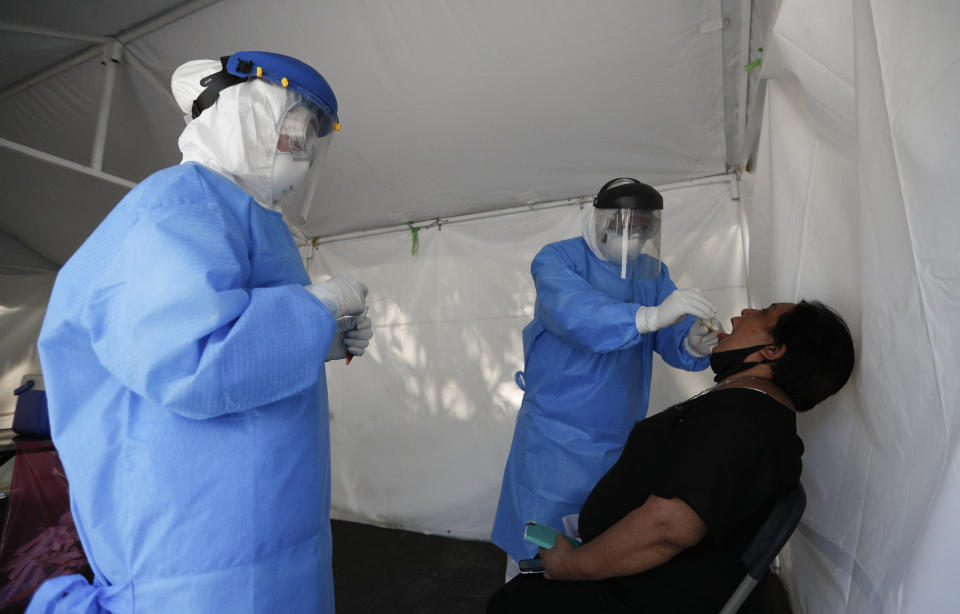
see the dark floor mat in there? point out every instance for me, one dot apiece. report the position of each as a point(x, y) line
point(401, 572)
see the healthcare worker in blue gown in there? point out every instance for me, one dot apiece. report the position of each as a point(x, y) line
point(605, 303)
point(184, 349)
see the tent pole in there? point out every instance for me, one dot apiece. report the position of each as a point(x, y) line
point(743, 76)
point(728, 178)
point(19, 269)
point(455, 219)
point(58, 161)
point(174, 14)
point(743, 83)
point(745, 241)
point(51, 72)
point(708, 180)
point(21, 29)
point(111, 57)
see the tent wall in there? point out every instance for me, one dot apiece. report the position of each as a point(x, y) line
point(854, 204)
point(422, 424)
point(15, 257)
point(23, 301)
point(50, 208)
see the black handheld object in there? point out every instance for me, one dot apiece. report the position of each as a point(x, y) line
point(531, 566)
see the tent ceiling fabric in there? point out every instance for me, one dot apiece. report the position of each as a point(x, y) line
point(25, 54)
point(447, 107)
point(63, 209)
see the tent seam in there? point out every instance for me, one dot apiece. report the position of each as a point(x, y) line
point(806, 217)
point(917, 93)
point(447, 220)
point(875, 595)
point(814, 59)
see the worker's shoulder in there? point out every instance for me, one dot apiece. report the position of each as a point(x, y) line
point(189, 185)
point(189, 177)
point(573, 242)
point(574, 245)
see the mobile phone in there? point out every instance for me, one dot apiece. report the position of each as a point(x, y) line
point(544, 536)
point(531, 566)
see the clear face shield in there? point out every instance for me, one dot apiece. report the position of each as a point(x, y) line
point(631, 239)
point(305, 134)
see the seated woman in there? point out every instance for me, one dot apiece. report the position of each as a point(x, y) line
point(665, 528)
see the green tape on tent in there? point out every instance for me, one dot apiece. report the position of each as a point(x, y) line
point(414, 231)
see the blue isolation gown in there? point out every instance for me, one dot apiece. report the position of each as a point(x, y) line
point(184, 369)
point(586, 382)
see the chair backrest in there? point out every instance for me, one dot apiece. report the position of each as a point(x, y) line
point(783, 519)
point(769, 540)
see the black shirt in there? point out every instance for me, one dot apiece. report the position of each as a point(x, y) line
point(728, 454)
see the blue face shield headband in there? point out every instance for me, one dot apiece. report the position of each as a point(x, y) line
point(282, 70)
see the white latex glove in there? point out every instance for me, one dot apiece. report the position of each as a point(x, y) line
point(702, 337)
point(358, 338)
point(677, 306)
point(352, 337)
point(343, 295)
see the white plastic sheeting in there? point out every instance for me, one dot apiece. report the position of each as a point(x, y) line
point(422, 423)
point(855, 203)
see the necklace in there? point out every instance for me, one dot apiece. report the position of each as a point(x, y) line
point(737, 379)
point(725, 382)
point(715, 386)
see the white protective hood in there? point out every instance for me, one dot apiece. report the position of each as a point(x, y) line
point(237, 136)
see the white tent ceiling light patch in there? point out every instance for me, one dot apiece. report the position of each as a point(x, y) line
point(448, 108)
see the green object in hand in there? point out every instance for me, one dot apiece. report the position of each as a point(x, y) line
point(544, 536)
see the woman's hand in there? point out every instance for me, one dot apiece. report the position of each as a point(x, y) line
point(560, 561)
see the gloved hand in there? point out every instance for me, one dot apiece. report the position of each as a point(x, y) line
point(702, 337)
point(342, 295)
point(677, 306)
point(353, 335)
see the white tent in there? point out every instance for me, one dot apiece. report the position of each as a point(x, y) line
point(485, 124)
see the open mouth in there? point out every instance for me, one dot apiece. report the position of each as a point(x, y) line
point(722, 336)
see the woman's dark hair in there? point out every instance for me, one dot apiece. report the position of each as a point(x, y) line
point(819, 356)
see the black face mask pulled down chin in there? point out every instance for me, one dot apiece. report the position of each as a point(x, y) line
point(730, 362)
